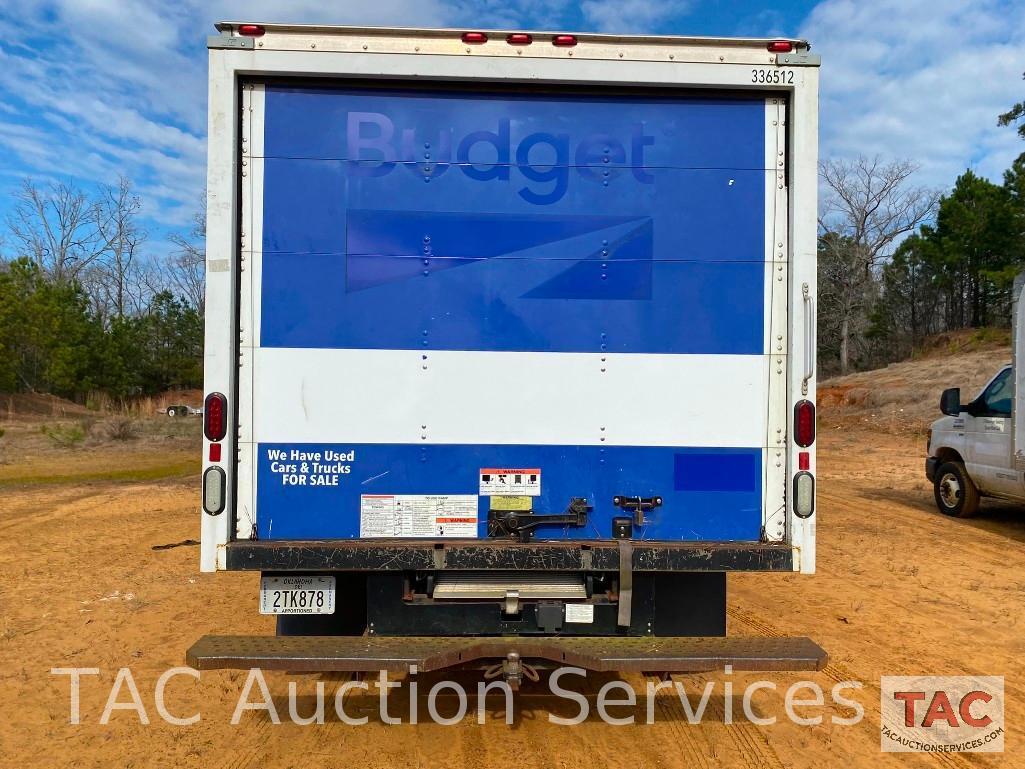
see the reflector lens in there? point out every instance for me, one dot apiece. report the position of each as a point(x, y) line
point(803, 460)
point(213, 490)
point(251, 30)
point(475, 37)
point(804, 423)
point(519, 38)
point(215, 452)
point(804, 494)
point(215, 416)
point(780, 46)
point(564, 41)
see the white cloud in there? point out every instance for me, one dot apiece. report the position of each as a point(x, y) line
point(920, 79)
point(97, 88)
point(629, 15)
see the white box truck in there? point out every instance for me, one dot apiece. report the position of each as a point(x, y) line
point(509, 344)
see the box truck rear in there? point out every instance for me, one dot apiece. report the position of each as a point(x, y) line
point(509, 344)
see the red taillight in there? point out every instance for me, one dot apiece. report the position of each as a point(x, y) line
point(519, 38)
point(780, 46)
point(215, 416)
point(215, 452)
point(804, 423)
point(564, 41)
point(251, 30)
point(475, 37)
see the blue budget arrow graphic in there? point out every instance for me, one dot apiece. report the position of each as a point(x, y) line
point(388, 246)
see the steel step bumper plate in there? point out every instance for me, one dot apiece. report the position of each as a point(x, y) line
point(397, 654)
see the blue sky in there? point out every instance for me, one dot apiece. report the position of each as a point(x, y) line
point(90, 89)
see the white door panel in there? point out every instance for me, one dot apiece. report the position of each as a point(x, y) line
point(989, 438)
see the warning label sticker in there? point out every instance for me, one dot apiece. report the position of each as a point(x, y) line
point(510, 482)
point(418, 515)
point(580, 612)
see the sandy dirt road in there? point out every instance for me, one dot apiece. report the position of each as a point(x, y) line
point(900, 590)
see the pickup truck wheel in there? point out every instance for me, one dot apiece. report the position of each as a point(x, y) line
point(956, 495)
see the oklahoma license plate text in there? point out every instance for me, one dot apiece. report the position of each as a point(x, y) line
point(297, 595)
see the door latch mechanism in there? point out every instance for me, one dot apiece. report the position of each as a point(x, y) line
point(637, 505)
point(521, 523)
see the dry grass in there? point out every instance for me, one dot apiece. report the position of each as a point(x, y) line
point(43, 450)
point(122, 429)
point(903, 398)
point(36, 406)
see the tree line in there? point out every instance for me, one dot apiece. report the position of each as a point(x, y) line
point(899, 262)
point(85, 307)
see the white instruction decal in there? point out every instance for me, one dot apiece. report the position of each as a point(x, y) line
point(580, 612)
point(418, 515)
point(510, 482)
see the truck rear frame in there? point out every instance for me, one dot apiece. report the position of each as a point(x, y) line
point(243, 58)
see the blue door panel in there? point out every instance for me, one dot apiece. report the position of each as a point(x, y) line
point(316, 205)
point(480, 221)
point(378, 127)
point(537, 305)
point(724, 505)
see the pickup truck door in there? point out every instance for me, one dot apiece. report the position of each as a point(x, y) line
point(988, 428)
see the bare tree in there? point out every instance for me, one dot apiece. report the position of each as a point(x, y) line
point(56, 227)
point(870, 205)
point(185, 269)
point(114, 215)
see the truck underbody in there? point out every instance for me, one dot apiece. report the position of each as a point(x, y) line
point(502, 607)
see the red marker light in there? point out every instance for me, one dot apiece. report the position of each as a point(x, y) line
point(519, 38)
point(251, 30)
point(804, 423)
point(215, 452)
point(564, 41)
point(803, 460)
point(215, 416)
point(780, 46)
point(476, 38)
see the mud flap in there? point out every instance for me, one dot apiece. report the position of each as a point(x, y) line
point(626, 582)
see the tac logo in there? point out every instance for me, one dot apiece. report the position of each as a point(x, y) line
point(544, 160)
point(928, 714)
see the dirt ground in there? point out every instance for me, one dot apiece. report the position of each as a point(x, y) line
point(900, 590)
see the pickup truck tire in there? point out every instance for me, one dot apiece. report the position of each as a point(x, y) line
point(955, 492)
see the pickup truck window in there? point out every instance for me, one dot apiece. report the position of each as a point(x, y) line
point(997, 399)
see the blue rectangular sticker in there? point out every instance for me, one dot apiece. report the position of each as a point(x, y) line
point(724, 470)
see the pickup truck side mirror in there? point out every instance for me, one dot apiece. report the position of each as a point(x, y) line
point(950, 401)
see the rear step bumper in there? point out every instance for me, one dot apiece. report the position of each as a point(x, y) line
point(493, 555)
point(308, 654)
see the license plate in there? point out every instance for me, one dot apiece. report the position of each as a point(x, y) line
point(297, 595)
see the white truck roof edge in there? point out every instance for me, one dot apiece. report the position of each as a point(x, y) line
point(231, 26)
